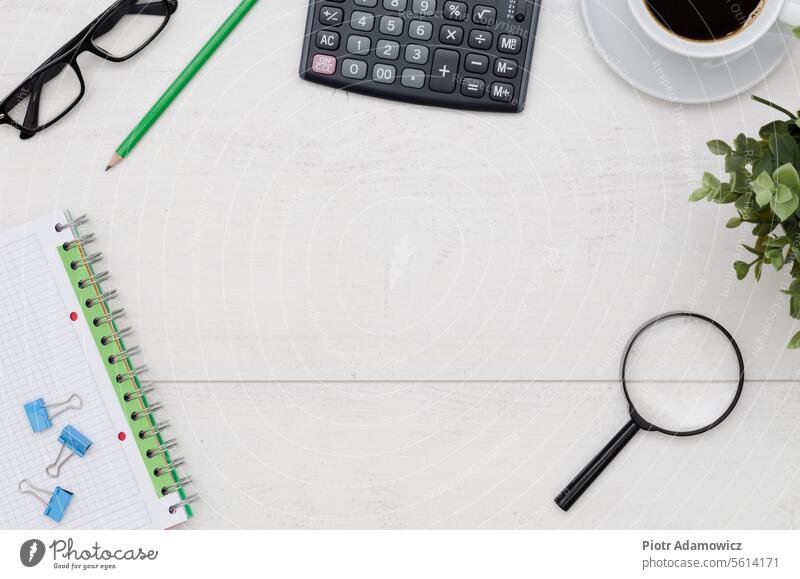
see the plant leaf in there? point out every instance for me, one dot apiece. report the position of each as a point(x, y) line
point(786, 209)
point(745, 202)
point(787, 175)
point(752, 147)
point(777, 261)
point(734, 162)
point(757, 270)
point(710, 181)
point(733, 223)
point(739, 180)
point(784, 148)
point(772, 128)
point(698, 194)
point(764, 163)
point(778, 242)
point(762, 186)
point(723, 194)
point(753, 250)
point(794, 307)
point(782, 194)
point(718, 147)
point(794, 343)
point(741, 269)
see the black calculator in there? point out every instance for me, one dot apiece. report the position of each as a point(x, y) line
point(468, 54)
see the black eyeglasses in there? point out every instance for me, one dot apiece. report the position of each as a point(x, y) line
point(53, 90)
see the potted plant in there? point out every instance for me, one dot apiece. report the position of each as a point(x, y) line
point(764, 186)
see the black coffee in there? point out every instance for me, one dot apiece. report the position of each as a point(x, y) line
point(704, 20)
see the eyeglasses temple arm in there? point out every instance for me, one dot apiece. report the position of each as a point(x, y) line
point(155, 8)
point(32, 114)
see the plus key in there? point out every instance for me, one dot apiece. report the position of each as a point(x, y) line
point(444, 71)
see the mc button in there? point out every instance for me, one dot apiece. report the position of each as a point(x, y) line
point(509, 44)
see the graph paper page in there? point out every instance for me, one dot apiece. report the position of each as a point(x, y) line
point(44, 353)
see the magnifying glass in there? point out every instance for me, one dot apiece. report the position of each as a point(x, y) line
point(682, 374)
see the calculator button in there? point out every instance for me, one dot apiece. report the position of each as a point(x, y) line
point(485, 15)
point(391, 25)
point(387, 49)
point(416, 54)
point(476, 63)
point(502, 92)
point(413, 78)
point(398, 5)
point(420, 30)
point(455, 11)
point(451, 35)
point(363, 21)
point(331, 16)
point(359, 45)
point(384, 73)
point(356, 69)
point(366, 3)
point(327, 40)
point(323, 64)
point(509, 44)
point(505, 68)
point(473, 87)
point(424, 7)
point(443, 71)
point(481, 39)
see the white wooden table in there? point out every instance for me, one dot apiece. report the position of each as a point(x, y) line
point(374, 315)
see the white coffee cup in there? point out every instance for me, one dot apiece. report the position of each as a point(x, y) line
point(787, 11)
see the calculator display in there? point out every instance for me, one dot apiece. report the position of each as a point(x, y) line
point(470, 54)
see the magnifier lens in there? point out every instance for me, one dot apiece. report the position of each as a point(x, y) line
point(682, 374)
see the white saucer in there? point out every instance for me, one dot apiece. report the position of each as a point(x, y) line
point(660, 73)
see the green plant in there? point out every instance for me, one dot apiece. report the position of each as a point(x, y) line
point(764, 186)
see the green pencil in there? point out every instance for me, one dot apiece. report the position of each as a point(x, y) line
point(180, 83)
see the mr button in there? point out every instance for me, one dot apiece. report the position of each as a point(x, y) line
point(509, 44)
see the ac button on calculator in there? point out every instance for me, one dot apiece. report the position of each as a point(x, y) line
point(470, 54)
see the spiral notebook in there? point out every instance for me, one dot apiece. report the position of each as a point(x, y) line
point(82, 445)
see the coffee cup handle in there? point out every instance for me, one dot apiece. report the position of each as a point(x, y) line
point(791, 13)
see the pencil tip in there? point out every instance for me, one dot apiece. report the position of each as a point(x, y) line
point(116, 159)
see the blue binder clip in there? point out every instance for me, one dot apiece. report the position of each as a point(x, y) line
point(70, 439)
point(55, 504)
point(41, 419)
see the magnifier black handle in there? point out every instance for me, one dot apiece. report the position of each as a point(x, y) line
point(573, 491)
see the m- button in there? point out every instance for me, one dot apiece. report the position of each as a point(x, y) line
point(505, 68)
